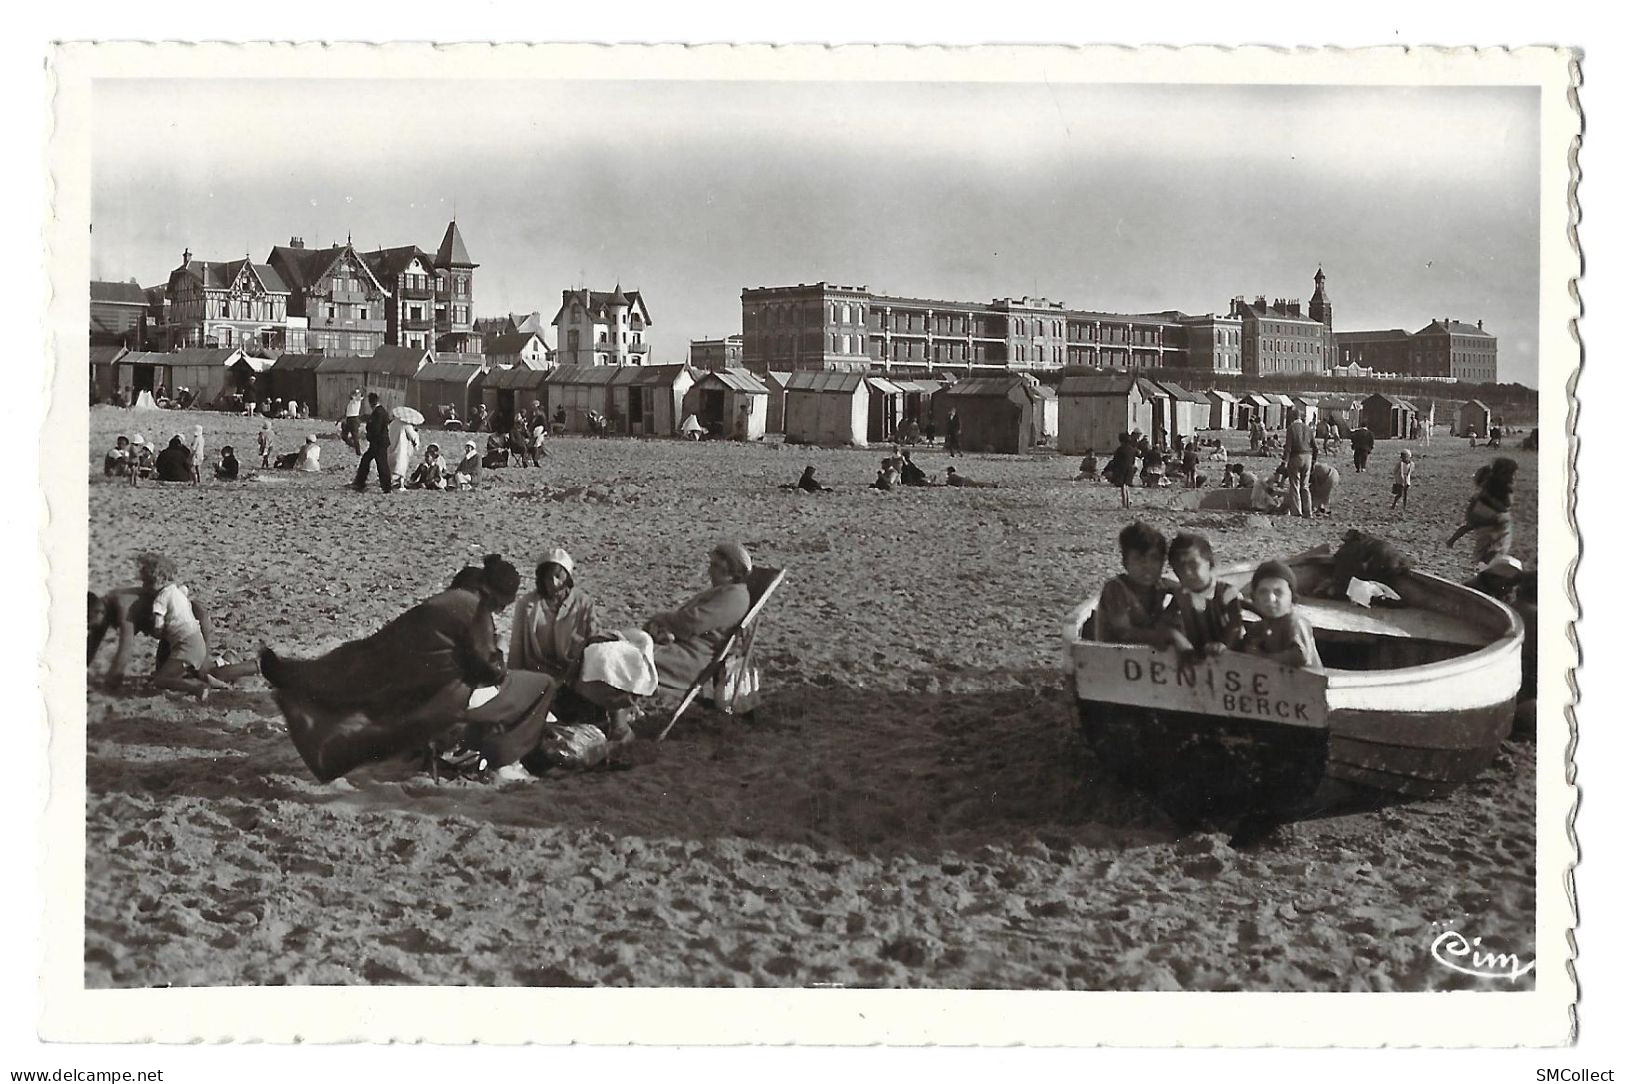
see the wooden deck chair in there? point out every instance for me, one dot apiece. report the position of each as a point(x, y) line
point(731, 674)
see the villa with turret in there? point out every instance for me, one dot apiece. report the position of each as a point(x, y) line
point(597, 328)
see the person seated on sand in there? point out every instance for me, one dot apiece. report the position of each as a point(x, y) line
point(552, 628)
point(431, 473)
point(687, 638)
point(310, 456)
point(496, 452)
point(1218, 454)
point(1131, 603)
point(1204, 618)
point(1284, 634)
point(228, 469)
point(886, 477)
point(466, 475)
point(117, 460)
point(174, 463)
point(1089, 469)
point(142, 458)
point(911, 432)
point(910, 474)
point(954, 478)
point(166, 611)
point(434, 669)
point(1269, 493)
point(809, 484)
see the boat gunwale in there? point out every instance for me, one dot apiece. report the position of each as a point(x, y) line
point(1503, 649)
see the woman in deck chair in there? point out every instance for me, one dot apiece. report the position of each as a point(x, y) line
point(687, 638)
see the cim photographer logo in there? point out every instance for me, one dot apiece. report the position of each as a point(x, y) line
point(1458, 952)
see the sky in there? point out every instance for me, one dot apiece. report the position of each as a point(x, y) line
point(1417, 202)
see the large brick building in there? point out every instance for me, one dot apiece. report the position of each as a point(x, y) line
point(717, 355)
point(1455, 349)
point(1443, 350)
point(846, 328)
point(1280, 337)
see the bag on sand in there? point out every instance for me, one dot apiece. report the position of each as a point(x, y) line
point(576, 746)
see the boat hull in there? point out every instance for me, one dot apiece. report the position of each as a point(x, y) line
point(1407, 731)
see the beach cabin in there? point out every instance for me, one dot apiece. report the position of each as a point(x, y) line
point(1095, 409)
point(444, 386)
point(207, 372)
point(732, 400)
point(388, 372)
point(886, 400)
point(293, 376)
point(576, 389)
point(917, 399)
point(826, 408)
point(1388, 417)
point(103, 376)
point(1282, 404)
point(1188, 410)
point(513, 390)
point(1251, 407)
point(1002, 414)
point(1474, 415)
point(246, 375)
point(1046, 414)
point(647, 400)
point(1308, 408)
point(775, 383)
point(1221, 410)
point(1339, 414)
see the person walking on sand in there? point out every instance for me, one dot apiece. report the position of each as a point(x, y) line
point(350, 428)
point(951, 438)
point(403, 444)
point(267, 444)
point(1402, 481)
point(377, 447)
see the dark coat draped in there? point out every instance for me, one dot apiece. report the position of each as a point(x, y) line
point(393, 691)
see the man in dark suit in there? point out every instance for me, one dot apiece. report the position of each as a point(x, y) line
point(377, 447)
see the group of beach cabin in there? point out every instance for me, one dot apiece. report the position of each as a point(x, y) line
point(1010, 413)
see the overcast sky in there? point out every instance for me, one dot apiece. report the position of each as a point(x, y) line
point(1418, 202)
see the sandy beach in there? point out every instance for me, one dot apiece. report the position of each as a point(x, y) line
point(909, 810)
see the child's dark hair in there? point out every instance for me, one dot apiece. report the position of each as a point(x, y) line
point(1190, 540)
point(1140, 537)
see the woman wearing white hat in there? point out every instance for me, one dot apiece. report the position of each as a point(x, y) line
point(467, 474)
point(553, 624)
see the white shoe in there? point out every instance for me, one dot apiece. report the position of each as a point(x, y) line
point(515, 773)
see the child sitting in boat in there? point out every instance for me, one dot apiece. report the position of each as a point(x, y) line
point(1131, 604)
point(1204, 618)
point(1283, 635)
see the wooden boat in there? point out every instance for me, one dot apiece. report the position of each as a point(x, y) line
point(1415, 700)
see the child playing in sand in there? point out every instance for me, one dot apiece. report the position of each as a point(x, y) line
point(267, 440)
point(228, 469)
point(1089, 469)
point(1490, 511)
point(164, 609)
point(1131, 603)
point(1283, 635)
point(1204, 618)
point(1402, 480)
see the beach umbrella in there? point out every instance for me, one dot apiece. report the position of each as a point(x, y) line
point(406, 414)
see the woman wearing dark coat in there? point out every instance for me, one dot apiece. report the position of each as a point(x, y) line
point(418, 677)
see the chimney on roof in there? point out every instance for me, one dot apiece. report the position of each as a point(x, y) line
point(1481, 324)
point(1260, 301)
point(296, 242)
